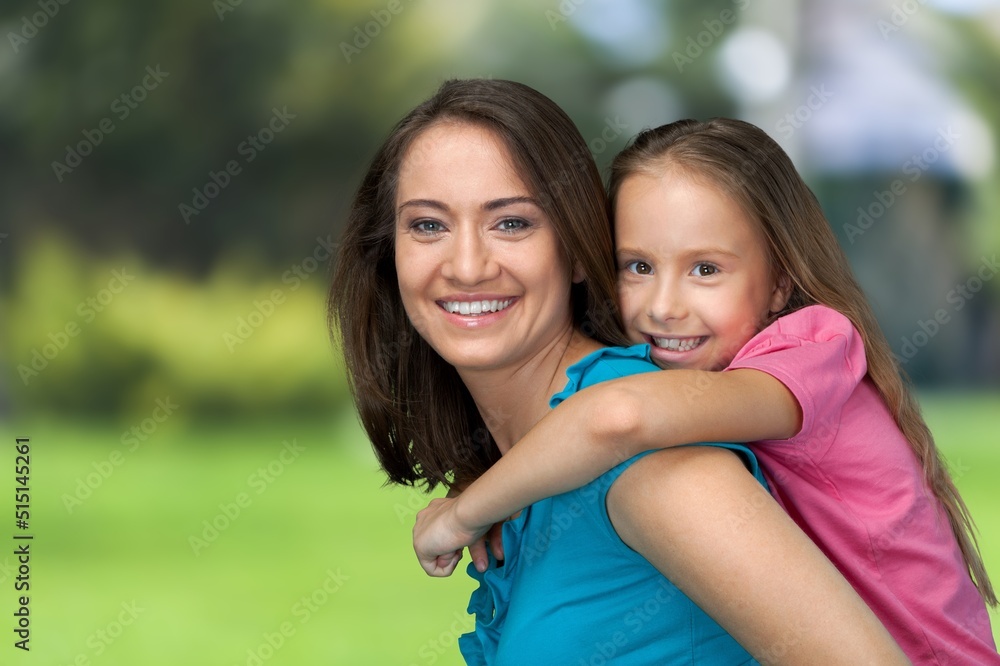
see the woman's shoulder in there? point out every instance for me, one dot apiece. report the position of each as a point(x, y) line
point(602, 365)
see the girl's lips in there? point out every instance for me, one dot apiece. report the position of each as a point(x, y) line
point(675, 352)
point(676, 344)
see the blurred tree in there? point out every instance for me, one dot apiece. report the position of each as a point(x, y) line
point(219, 143)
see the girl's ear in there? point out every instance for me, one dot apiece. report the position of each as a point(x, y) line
point(578, 274)
point(781, 293)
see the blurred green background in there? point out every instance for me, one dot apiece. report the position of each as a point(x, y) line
point(174, 176)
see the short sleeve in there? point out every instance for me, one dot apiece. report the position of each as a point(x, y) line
point(816, 352)
point(602, 365)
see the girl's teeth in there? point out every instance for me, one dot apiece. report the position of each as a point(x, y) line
point(678, 344)
point(476, 307)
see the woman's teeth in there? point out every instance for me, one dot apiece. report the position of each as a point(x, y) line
point(476, 307)
point(678, 344)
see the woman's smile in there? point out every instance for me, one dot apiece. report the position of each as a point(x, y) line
point(482, 273)
point(476, 307)
point(476, 313)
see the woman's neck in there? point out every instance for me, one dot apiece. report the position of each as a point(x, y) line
point(512, 400)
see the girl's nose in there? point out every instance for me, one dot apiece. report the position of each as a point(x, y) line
point(665, 301)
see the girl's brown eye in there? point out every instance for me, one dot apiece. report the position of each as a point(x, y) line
point(639, 268)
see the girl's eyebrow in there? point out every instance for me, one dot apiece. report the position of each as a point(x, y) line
point(703, 251)
point(686, 254)
point(627, 252)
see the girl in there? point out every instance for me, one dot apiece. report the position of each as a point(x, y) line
point(460, 246)
point(727, 263)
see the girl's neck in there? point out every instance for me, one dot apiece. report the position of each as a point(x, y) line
point(512, 400)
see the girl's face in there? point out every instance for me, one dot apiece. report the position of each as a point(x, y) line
point(481, 271)
point(693, 276)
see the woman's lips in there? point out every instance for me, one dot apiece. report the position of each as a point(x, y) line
point(476, 307)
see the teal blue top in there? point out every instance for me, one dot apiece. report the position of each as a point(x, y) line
point(572, 592)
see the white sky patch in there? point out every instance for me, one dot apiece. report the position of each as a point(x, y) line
point(973, 154)
point(633, 31)
point(965, 6)
point(644, 102)
point(753, 65)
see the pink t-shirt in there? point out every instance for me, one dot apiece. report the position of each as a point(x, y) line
point(852, 483)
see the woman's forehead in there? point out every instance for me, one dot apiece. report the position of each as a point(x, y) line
point(458, 161)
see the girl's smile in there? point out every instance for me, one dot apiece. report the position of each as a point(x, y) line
point(694, 277)
point(676, 344)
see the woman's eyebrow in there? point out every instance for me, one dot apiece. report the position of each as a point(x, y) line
point(495, 204)
point(423, 203)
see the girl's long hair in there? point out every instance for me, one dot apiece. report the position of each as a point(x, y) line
point(753, 169)
point(420, 418)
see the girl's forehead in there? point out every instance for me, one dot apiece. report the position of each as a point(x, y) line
point(678, 209)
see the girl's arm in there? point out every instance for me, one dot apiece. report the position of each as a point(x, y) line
point(599, 427)
point(707, 525)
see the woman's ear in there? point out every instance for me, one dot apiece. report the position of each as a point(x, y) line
point(781, 293)
point(578, 274)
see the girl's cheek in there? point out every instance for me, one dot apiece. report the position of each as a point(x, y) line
point(625, 302)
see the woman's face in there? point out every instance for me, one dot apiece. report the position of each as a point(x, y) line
point(481, 271)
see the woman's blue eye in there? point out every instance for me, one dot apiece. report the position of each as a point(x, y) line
point(705, 270)
point(427, 226)
point(511, 224)
point(639, 268)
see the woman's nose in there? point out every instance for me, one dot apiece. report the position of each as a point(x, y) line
point(471, 258)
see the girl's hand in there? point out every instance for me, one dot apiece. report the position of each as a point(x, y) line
point(438, 539)
point(494, 541)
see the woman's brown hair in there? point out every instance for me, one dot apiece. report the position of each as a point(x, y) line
point(750, 167)
point(416, 411)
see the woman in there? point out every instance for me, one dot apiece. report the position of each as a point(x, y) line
point(475, 272)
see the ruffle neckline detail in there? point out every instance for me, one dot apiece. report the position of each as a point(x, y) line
point(489, 602)
point(578, 370)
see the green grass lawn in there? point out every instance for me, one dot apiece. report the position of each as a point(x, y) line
point(318, 561)
point(317, 566)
